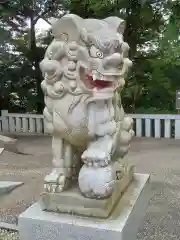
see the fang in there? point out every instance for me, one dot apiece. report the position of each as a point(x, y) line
point(94, 77)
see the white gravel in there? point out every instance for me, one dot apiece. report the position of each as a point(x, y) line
point(8, 235)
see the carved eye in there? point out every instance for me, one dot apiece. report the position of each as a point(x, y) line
point(95, 53)
point(99, 54)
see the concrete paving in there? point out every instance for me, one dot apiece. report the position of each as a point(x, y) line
point(160, 158)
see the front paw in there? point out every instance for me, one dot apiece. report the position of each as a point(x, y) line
point(56, 181)
point(96, 157)
point(99, 152)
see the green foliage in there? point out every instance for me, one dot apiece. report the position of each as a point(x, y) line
point(21, 80)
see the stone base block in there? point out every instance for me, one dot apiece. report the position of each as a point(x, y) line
point(73, 202)
point(122, 224)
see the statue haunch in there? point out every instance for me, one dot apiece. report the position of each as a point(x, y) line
point(84, 69)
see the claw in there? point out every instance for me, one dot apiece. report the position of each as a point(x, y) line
point(96, 164)
point(59, 189)
point(49, 187)
point(103, 164)
point(90, 164)
point(53, 188)
point(45, 187)
point(61, 180)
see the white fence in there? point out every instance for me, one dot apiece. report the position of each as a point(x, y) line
point(21, 123)
point(145, 125)
point(157, 125)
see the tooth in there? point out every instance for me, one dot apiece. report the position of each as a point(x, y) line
point(94, 77)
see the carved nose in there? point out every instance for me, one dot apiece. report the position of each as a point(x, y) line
point(112, 61)
point(95, 63)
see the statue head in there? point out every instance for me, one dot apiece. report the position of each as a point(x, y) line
point(91, 51)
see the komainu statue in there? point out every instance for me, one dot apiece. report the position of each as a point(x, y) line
point(84, 69)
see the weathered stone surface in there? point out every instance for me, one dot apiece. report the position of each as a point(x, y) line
point(8, 143)
point(6, 187)
point(72, 201)
point(121, 225)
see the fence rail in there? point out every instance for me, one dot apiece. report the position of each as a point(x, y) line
point(145, 125)
point(157, 125)
point(25, 123)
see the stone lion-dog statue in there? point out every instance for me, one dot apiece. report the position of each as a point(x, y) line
point(84, 69)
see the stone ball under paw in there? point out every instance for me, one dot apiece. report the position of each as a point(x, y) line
point(96, 182)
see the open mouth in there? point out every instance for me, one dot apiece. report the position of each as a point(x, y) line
point(94, 82)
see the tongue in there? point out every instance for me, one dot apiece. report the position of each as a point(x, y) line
point(99, 83)
point(102, 84)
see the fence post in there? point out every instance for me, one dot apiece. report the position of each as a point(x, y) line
point(5, 123)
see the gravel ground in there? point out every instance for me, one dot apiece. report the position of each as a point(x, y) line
point(29, 169)
point(8, 235)
point(160, 158)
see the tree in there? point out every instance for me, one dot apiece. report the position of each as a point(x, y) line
point(20, 17)
point(144, 24)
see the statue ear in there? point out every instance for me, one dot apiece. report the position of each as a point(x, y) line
point(84, 35)
point(118, 23)
point(67, 28)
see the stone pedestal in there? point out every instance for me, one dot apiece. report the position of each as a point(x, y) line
point(73, 202)
point(122, 224)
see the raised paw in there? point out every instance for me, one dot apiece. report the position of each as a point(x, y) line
point(98, 153)
point(96, 157)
